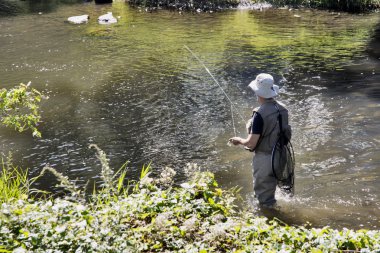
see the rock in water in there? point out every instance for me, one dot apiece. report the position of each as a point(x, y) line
point(107, 19)
point(78, 19)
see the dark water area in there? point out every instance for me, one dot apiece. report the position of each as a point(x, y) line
point(17, 7)
point(132, 89)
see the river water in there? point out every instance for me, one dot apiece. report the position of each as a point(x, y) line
point(132, 89)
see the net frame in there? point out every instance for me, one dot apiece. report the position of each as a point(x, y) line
point(285, 174)
point(285, 177)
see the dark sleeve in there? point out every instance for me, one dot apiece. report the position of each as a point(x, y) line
point(257, 124)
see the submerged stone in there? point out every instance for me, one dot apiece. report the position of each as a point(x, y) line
point(107, 19)
point(78, 19)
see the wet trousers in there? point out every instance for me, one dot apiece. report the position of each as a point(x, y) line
point(264, 182)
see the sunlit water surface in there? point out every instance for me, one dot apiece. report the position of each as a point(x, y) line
point(132, 89)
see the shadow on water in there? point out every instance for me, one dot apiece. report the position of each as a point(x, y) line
point(364, 75)
point(17, 7)
point(373, 48)
point(10, 8)
point(360, 77)
point(340, 66)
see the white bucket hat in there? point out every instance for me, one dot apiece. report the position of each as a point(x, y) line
point(264, 86)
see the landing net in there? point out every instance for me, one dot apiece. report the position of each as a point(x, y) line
point(283, 164)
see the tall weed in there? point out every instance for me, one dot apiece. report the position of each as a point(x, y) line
point(14, 183)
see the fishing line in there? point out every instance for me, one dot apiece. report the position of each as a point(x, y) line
point(208, 71)
point(233, 121)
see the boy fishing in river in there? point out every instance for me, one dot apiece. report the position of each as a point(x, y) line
point(268, 136)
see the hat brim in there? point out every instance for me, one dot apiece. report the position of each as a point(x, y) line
point(265, 94)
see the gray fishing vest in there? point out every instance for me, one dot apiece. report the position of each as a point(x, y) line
point(271, 128)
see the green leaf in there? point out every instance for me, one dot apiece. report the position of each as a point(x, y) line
point(19, 108)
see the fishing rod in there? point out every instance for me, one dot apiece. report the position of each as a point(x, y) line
point(212, 76)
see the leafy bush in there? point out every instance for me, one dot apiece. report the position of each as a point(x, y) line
point(340, 5)
point(152, 215)
point(19, 108)
point(187, 5)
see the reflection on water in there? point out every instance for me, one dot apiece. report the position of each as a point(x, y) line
point(132, 89)
point(12, 7)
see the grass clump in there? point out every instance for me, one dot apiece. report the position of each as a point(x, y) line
point(153, 215)
point(14, 183)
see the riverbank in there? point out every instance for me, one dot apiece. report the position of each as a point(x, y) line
point(214, 5)
point(153, 215)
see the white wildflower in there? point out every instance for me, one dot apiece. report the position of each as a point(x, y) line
point(80, 208)
point(4, 230)
point(94, 245)
point(146, 181)
point(189, 224)
point(105, 231)
point(116, 207)
point(82, 224)
point(19, 250)
point(191, 169)
point(190, 248)
point(217, 218)
point(60, 229)
point(162, 220)
point(20, 202)
point(166, 177)
point(187, 186)
point(216, 231)
point(49, 203)
point(202, 184)
point(60, 204)
point(52, 220)
point(5, 208)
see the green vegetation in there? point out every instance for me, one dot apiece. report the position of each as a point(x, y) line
point(340, 5)
point(187, 5)
point(152, 215)
point(14, 183)
point(19, 108)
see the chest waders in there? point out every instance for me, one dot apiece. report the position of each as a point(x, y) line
point(283, 161)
